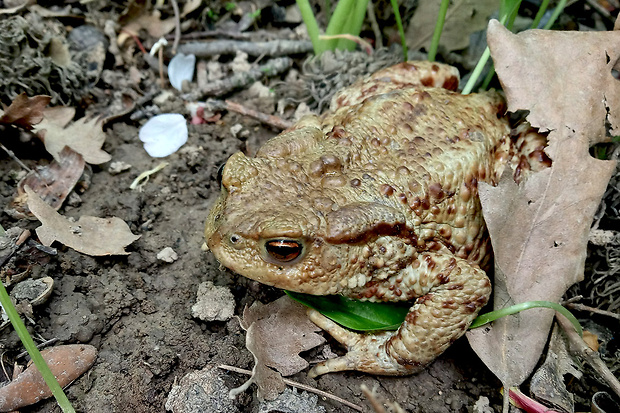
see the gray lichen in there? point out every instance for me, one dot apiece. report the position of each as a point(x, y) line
point(34, 58)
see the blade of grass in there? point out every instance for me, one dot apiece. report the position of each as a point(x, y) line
point(311, 25)
point(508, 13)
point(35, 355)
point(338, 21)
point(401, 30)
point(441, 19)
point(539, 15)
point(556, 13)
point(513, 309)
point(354, 24)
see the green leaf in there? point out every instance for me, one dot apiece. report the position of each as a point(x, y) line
point(354, 314)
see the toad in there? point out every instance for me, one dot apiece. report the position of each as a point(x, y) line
point(377, 200)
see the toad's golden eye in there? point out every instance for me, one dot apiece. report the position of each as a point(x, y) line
point(283, 250)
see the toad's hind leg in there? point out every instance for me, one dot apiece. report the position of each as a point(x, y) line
point(434, 322)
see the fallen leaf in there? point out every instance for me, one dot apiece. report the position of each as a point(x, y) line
point(83, 136)
point(25, 111)
point(463, 18)
point(539, 230)
point(89, 235)
point(276, 334)
point(547, 384)
point(151, 22)
point(67, 363)
point(53, 183)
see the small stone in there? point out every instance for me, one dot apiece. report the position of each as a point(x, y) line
point(292, 402)
point(213, 303)
point(201, 391)
point(235, 129)
point(117, 167)
point(167, 255)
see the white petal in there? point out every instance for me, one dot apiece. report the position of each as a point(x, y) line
point(164, 134)
point(181, 68)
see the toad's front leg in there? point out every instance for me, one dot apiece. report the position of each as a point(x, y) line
point(434, 322)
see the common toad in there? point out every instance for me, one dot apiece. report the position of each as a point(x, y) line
point(376, 200)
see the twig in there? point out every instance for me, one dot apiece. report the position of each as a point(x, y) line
point(582, 307)
point(177, 26)
point(580, 348)
point(39, 346)
point(271, 120)
point(600, 9)
point(271, 48)
point(239, 80)
point(16, 159)
point(299, 386)
point(375, 26)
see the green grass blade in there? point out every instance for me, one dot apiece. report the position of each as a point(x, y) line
point(401, 30)
point(539, 15)
point(441, 19)
point(556, 13)
point(338, 21)
point(32, 349)
point(311, 25)
point(494, 315)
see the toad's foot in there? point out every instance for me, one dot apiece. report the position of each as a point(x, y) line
point(366, 352)
point(434, 322)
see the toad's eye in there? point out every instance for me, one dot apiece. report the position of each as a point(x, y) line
point(283, 250)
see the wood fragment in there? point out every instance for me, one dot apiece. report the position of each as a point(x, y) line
point(581, 349)
point(271, 120)
point(270, 48)
point(239, 80)
point(582, 307)
point(299, 386)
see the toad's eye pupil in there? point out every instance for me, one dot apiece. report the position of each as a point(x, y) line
point(283, 249)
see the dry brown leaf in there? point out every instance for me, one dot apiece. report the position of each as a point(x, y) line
point(25, 111)
point(52, 183)
point(276, 334)
point(463, 18)
point(151, 22)
point(539, 230)
point(85, 137)
point(591, 340)
point(89, 235)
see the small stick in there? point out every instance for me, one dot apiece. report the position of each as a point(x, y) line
point(271, 48)
point(177, 26)
point(271, 68)
point(375, 26)
point(39, 346)
point(582, 307)
point(275, 121)
point(16, 159)
point(299, 386)
point(580, 348)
